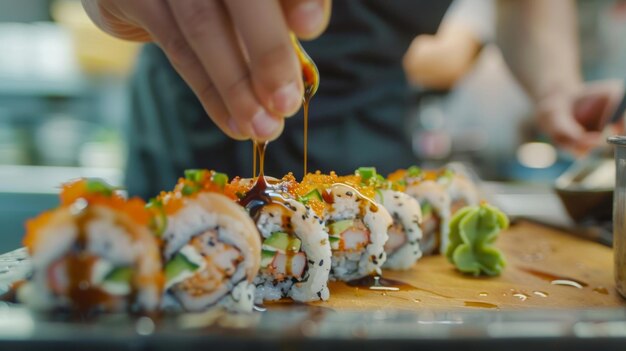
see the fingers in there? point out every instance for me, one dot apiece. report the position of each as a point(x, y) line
point(274, 67)
point(236, 55)
point(307, 18)
point(166, 33)
point(597, 101)
point(557, 121)
point(208, 29)
point(110, 18)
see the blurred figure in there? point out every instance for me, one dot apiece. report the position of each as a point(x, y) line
point(547, 65)
point(438, 61)
point(541, 49)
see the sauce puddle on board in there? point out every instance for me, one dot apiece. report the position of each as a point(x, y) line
point(380, 284)
point(556, 279)
point(480, 304)
point(601, 290)
point(377, 283)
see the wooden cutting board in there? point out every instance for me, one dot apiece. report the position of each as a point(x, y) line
point(536, 256)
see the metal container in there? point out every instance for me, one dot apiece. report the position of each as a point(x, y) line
point(619, 213)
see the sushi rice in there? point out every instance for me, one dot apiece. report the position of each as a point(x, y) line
point(210, 246)
point(296, 252)
point(94, 253)
point(355, 224)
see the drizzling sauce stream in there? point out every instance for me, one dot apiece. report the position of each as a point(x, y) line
point(311, 80)
point(254, 157)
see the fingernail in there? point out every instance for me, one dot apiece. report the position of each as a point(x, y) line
point(234, 128)
point(287, 99)
point(309, 15)
point(264, 125)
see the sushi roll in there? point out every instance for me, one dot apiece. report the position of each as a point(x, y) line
point(356, 225)
point(462, 190)
point(210, 247)
point(434, 199)
point(295, 252)
point(402, 247)
point(94, 253)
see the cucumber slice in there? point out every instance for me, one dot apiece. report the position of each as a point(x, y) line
point(311, 195)
point(283, 242)
point(178, 265)
point(334, 242)
point(427, 209)
point(119, 275)
point(339, 227)
point(267, 256)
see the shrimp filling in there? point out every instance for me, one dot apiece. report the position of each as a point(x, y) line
point(282, 258)
point(203, 266)
point(397, 238)
point(430, 226)
point(348, 235)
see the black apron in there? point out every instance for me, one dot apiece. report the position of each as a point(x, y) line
point(357, 118)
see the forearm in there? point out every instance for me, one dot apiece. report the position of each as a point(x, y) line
point(539, 41)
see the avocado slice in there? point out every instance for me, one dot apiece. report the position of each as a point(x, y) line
point(119, 275)
point(177, 265)
point(427, 209)
point(311, 195)
point(339, 227)
point(267, 256)
point(283, 242)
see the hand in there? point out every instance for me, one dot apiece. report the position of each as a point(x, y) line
point(236, 55)
point(574, 120)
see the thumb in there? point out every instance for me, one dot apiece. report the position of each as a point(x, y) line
point(307, 18)
point(557, 120)
point(590, 111)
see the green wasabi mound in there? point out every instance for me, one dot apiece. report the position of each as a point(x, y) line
point(473, 230)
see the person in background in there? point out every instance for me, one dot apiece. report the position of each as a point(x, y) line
point(571, 112)
point(233, 60)
point(439, 61)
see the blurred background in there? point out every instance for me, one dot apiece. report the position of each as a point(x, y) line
point(63, 104)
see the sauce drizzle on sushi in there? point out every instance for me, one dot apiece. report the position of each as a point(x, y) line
point(311, 80)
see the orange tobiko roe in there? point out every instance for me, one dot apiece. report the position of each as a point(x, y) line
point(33, 226)
point(174, 200)
point(397, 175)
point(239, 186)
point(206, 184)
point(322, 182)
point(431, 174)
point(134, 208)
